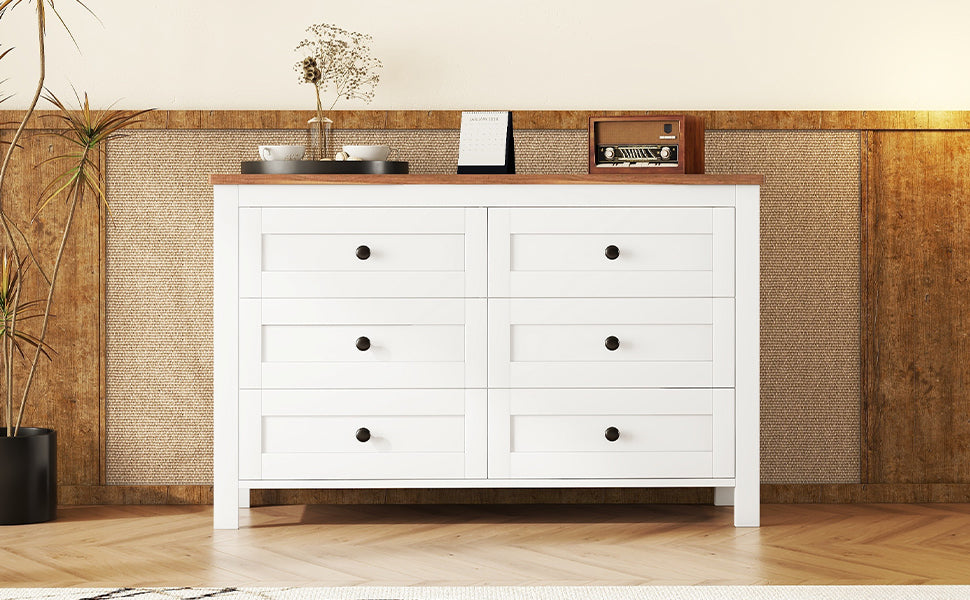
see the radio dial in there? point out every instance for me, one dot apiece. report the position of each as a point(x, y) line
point(609, 153)
point(665, 152)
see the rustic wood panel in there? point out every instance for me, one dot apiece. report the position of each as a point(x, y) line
point(67, 394)
point(918, 306)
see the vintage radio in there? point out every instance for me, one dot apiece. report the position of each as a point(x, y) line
point(651, 144)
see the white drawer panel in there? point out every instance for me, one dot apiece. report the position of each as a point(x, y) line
point(362, 402)
point(306, 252)
point(587, 433)
point(611, 401)
point(363, 220)
point(377, 465)
point(398, 433)
point(612, 220)
point(597, 284)
point(335, 284)
point(352, 375)
point(356, 311)
point(428, 433)
point(566, 429)
point(660, 252)
point(610, 465)
point(554, 343)
point(388, 343)
point(574, 252)
point(608, 311)
point(409, 343)
point(403, 253)
point(619, 375)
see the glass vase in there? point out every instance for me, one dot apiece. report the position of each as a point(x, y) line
point(320, 143)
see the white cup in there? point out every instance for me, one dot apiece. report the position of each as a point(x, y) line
point(281, 152)
point(368, 152)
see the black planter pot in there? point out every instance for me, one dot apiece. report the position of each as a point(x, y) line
point(28, 476)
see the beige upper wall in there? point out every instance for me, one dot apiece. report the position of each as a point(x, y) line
point(521, 54)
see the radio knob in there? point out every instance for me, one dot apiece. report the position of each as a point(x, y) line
point(609, 153)
point(665, 152)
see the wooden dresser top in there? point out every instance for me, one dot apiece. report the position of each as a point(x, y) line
point(618, 178)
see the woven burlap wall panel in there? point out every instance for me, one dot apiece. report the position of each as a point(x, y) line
point(159, 290)
point(810, 385)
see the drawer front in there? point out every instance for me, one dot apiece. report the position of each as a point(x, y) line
point(612, 433)
point(362, 343)
point(618, 342)
point(611, 252)
point(361, 252)
point(622, 343)
point(630, 433)
point(361, 434)
point(390, 433)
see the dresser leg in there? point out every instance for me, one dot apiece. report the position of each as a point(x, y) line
point(724, 496)
point(225, 504)
point(243, 498)
point(747, 505)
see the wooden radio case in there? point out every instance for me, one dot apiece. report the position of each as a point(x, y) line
point(646, 144)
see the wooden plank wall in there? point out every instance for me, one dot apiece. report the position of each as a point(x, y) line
point(916, 415)
point(68, 393)
point(915, 311)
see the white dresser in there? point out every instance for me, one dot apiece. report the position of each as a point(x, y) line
point(497, 331)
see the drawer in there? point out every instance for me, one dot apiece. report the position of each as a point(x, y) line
point(612, 433)
point(615, 343)
point(360, 434)
point(362, 252)
point(366, 252)
point(611, 342)
point(389, 433)
point(607, 433)
point(611, 252)
point(362, 343)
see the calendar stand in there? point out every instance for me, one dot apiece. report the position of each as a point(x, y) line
point(485, 145)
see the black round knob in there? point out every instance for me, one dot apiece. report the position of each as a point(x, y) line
point(363, 434)
point(363, 343)
point(612, 252)
point(363, 252)
point(612, 343)
point(612, 434)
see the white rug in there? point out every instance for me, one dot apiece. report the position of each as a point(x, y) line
point(807, 592)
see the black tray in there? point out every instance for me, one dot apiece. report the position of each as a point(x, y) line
point(332, 167)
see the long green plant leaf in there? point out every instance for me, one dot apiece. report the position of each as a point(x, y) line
point(87, 131)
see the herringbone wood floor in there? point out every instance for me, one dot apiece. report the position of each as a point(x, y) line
point(491, 545)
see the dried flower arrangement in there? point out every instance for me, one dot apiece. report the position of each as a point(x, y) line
point(338, 60)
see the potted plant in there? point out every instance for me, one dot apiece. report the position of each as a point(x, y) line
point(28, 455)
